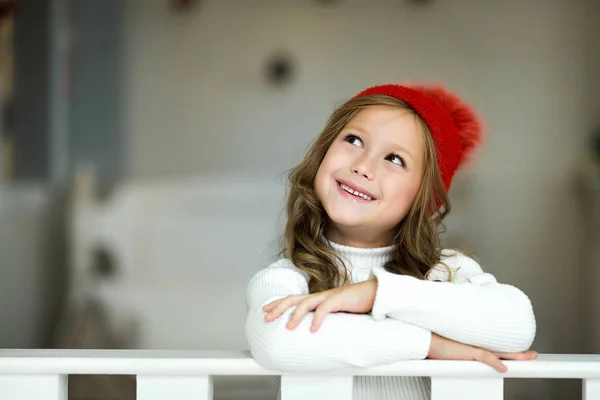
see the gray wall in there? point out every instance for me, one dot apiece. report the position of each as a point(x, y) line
point(32, 264)
point(591, 296)
point(96, 105)
point(68, 111)
point(61, 119)
point(32, 91)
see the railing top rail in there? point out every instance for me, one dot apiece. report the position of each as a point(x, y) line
point(171, 362)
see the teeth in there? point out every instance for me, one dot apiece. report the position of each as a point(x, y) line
point(354, 192)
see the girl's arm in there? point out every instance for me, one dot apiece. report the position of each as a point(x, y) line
point(347, 340)
point(473, 309)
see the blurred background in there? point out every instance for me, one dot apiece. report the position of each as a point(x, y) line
point(144, 147)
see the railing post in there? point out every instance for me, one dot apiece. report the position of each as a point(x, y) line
point(591, 389)
point(38, 387)
point(174, 387)
point(467, 388)
point(316, 387)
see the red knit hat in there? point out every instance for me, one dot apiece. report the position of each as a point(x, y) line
point(455, 128)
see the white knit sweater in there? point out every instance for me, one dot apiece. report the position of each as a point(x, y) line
point(474, 309)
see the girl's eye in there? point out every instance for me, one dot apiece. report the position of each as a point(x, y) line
point(353, 139)
point(396, 159)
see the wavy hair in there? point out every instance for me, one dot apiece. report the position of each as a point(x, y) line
point(416, 244)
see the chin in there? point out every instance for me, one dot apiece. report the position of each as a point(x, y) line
point(343, 220)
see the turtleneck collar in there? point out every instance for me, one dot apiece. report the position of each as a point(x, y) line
point(357, 258)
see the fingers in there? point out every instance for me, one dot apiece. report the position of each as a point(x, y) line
point(278, 307)
point(534, 354)
point(490, 359)
point(320, 313)
point(269, 307)
point(520, 356)
point(306, 305)
point(303, 304)
point(493, 359)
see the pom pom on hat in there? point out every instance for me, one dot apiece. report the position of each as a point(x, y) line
point(455, 127)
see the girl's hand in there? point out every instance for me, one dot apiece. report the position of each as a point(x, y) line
point(357, 298)
point(445, 349)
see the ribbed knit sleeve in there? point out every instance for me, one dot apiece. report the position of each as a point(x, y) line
point(343, 341)
point(473, 309)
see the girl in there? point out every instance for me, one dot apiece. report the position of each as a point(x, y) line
point(364, 281)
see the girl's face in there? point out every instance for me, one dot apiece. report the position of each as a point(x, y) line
point(371, 175)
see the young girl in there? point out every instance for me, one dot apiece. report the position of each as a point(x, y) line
point(364, 281)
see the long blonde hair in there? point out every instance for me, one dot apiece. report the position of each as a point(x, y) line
point(416, 243)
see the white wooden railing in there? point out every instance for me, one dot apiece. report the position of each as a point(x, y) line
point(187, 375)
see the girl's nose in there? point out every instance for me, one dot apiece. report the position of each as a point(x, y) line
point(363, 167)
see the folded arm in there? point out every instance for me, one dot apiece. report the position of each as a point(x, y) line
point(473, 309)
point(345, 341)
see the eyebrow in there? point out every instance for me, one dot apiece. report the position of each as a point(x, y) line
point(357, 128)
point(395, 147)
